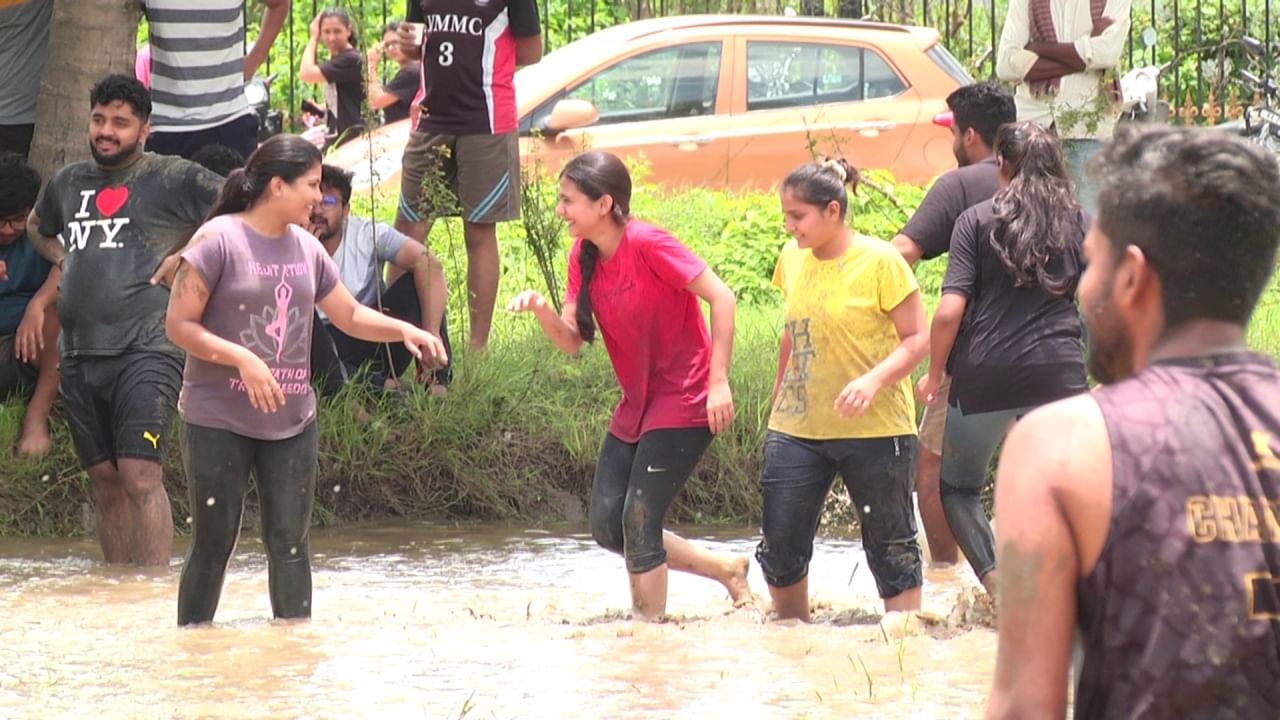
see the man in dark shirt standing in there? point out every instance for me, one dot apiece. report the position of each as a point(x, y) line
point(108, 223)
point(1146, 515)
point(977, 112)
point(467, 131)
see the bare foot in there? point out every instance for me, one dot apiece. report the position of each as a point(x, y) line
point(35, 441)
point(438, 390)
point(736, 583)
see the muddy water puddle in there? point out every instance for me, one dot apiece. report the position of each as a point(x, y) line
point(471, 622)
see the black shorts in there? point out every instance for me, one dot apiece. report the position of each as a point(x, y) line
point(120, 406)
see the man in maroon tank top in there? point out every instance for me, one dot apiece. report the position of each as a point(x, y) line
point(1146, 515)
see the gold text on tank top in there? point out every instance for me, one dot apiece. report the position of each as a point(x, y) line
point(1262, 591)
point(1265, 457)
point(1233, 519)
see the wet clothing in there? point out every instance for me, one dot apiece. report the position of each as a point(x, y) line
point(1017, 346)
point(262, 295)
point(634, 486)
point(120, 406)
point(968, 443)
point(837, 313)
point(877, 475)
point(469, 62)
point(1180, 616)
point(653, 328)
point(218, 464)
point(117, 225)
point(475, 177)
point(344, 94)
point(404, 85)
point(27, 272)
point(931, 225)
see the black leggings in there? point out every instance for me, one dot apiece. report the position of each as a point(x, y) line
point(218, 463)
point(634, 486)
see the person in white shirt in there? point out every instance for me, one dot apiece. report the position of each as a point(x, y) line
point(1060, 53)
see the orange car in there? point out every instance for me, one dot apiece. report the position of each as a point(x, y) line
point(727, 100)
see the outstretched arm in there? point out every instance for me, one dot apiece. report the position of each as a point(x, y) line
point(561, 329)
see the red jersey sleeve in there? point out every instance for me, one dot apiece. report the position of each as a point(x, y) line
point(667, 257)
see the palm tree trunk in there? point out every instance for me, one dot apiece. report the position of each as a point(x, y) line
point(87, 42)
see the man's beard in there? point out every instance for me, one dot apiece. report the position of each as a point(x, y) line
point(1110, 347)
point(116, 160)
point(324, 233)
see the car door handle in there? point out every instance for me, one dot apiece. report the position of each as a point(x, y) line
point(874, 126)
point(691, 140)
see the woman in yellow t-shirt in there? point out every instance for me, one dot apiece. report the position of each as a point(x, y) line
point(842, 401)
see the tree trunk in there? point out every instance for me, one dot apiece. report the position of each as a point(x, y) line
point(87, 42)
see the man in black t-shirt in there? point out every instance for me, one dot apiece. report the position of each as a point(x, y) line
point(977, 112)
point(467, 130)
point(108, 223)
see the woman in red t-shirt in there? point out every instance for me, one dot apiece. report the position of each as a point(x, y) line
point(641, 287)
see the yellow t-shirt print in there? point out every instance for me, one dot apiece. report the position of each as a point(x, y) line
point(837, 312)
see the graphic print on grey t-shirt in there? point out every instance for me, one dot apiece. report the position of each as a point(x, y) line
point(279, 332)
point(116, 226)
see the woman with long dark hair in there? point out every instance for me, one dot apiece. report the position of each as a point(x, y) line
point(1006, 328)
point(639, 287)
point(854, 328)
point(242, 307)
point(342, 74)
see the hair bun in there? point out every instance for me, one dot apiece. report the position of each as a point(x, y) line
point(838, 167)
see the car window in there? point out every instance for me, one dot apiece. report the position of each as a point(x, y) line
point(673, 82)
point(783, 75)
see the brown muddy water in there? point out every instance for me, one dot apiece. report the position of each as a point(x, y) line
point(471, 621)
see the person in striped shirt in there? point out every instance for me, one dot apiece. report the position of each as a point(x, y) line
point(199, 64)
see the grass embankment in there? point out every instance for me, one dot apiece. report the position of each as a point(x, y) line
point(518, 433)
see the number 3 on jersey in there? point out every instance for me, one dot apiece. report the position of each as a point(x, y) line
point(446, 54)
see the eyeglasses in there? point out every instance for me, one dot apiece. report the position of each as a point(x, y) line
point(329, 200)
point(15, 222)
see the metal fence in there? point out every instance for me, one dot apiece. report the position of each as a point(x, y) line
point(1197, 40)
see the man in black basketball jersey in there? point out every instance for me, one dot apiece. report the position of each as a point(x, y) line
point(1146, 515)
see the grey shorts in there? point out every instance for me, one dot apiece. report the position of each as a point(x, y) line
point(475, 177)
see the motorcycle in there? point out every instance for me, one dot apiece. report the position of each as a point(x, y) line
point(1140, 90)
point(1261, 122)
point(258, 92)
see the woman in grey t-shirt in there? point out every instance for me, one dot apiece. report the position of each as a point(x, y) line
point(242, 307)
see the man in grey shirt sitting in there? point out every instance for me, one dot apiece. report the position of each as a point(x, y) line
point(363, 248)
